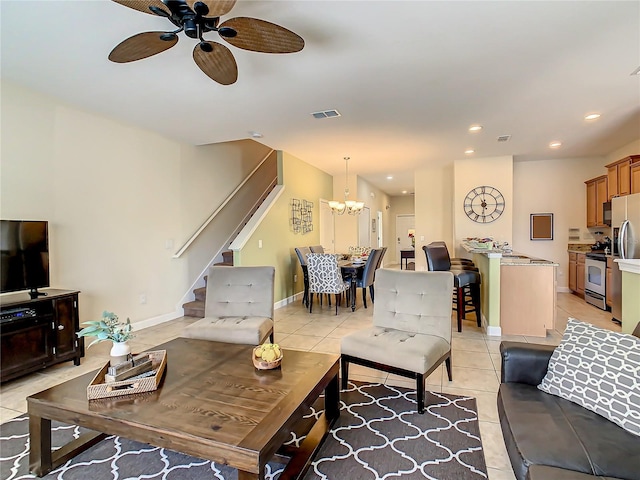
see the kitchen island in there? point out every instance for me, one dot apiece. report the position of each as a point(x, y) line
point(518, 292)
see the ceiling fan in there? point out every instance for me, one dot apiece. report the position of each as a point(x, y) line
point(196, 18)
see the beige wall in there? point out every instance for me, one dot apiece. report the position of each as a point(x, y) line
point(496, 172)
point(552, 186)
point(301, 181)
point(632, 148)
point(433, 208)
point(119, 201)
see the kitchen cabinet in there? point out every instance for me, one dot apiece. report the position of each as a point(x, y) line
point(596, 196)
point(573, 264)
point(576, 272)
point(580, 274)
point(619, 176)
point(634, 175)
point(607, 282)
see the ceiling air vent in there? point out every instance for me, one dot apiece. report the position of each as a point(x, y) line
point(326, 114)
point(504, 138)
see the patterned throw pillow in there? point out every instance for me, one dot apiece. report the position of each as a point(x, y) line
point(599, 370)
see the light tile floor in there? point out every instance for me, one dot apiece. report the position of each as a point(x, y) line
point(476, 360)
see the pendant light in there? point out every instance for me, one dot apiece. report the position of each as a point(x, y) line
point(352, 207)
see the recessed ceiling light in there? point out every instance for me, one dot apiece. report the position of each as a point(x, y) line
point(389, 177)
point(555, 144)
point(404, 191)
point(475, 128)
point(592, 116)
point(256, 134)
point(469, 151)
point(636, 71)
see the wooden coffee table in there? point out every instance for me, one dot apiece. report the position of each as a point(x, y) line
point(212, 404)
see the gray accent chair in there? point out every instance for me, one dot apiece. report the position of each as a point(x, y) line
point(411, 332)
point(238, 308)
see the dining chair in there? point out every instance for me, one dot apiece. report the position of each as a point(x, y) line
point(239, 306)
point(317, 249)
point(411, 331)
point(325, 277)
point(302, 253)
point(455, 260)
point(367, 277)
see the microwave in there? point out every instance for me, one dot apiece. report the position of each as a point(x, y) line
point(606, 213)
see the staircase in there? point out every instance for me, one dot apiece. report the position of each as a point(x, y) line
point(196, 307)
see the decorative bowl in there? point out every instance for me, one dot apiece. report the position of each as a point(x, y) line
point(263, 364)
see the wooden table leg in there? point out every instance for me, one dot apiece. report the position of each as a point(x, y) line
point(332, 399)
point(242, 475)
point(40, 459)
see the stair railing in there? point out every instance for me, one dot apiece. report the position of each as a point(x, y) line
point(195, 235)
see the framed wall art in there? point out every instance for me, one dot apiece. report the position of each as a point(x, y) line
point(541, 226)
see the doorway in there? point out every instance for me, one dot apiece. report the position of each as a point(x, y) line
point(404, 225)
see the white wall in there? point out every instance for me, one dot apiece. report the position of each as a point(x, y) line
point(632, 148)
point(115, 197)
point(552, 186)
point(496, 172)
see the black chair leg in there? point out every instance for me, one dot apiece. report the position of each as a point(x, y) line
point(337, 302)
point(447, 363)
point(420, 392)
point(364, 297)
point(475, 293)
point(460, 306)
point(310, 302)
point(371, 293)
point(344, 365)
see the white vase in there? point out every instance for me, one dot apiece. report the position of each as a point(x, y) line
point(120, 351)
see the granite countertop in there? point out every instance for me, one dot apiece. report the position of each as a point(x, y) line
point(509, 259)
point(579, 248)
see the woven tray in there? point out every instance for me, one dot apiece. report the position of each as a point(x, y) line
point(99, 389)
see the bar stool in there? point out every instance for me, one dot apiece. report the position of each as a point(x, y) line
point(464, 277)
point(455, 260)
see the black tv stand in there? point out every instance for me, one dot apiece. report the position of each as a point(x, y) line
point(38, 332)
point(34, 293)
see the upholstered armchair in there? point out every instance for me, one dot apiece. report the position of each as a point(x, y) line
point(238, 308)
point(411, 332)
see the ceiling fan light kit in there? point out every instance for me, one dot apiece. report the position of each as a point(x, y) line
point(196, 18)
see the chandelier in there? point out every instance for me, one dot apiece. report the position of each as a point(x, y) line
point(352, 207)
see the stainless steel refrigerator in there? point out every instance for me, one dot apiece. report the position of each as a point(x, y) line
point(625, 222)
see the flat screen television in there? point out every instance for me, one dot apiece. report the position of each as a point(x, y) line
point(24, 247)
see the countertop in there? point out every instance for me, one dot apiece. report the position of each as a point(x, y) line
point(510, 258)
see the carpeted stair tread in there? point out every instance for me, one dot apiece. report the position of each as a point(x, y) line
point(194, 309)
point(201, 294)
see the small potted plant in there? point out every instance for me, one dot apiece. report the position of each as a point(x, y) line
point(109, 328)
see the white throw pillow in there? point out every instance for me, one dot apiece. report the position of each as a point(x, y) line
point(599, 370)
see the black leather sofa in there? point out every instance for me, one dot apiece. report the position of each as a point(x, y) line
point(549, 438)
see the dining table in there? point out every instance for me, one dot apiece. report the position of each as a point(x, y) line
point(351, 270)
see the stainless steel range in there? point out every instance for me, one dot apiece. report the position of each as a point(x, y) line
point(595, 273)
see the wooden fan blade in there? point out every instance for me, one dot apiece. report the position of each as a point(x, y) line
point(141, 46)
point(218, 64)
point(217, 8)
point(262, 36)
point(143, 5)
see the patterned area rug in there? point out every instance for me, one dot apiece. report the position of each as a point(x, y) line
point(379, 435)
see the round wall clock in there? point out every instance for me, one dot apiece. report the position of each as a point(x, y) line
point(484, 204)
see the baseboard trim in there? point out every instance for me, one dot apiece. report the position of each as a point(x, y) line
point(152, 322)
point(494, 331)
point(563, 290)
point(289, 300)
